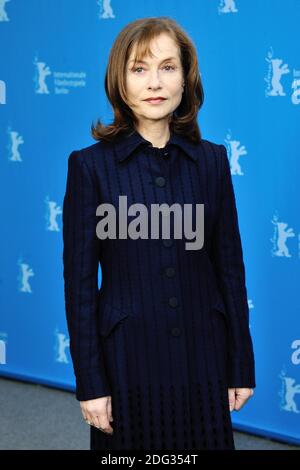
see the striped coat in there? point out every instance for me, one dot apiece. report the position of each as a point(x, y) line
point(168, 331)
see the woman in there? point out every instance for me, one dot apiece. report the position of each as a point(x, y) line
point(162, 352)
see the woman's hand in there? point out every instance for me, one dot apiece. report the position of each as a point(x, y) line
point(98, 413)
point(238, 397)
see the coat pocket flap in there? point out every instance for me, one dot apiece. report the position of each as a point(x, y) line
point(109, 317)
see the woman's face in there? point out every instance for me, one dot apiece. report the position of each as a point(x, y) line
point(154, 77)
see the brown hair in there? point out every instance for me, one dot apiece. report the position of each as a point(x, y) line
point(140, 33)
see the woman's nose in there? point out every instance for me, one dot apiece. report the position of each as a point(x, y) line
point(154, 79)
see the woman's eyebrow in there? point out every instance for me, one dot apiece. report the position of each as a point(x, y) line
point(145, 62)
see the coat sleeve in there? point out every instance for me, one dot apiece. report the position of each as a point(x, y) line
point(230, 270)
point(80, 271)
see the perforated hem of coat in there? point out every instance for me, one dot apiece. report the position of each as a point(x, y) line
point(206, 426)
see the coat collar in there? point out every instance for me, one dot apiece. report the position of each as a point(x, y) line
point(128, 143)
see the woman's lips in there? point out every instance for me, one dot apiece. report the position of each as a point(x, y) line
point(155, 101)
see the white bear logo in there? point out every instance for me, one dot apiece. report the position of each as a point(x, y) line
point(16, 141)
point(3, 14)
point(280, 237)
point(290, 390)
point(42, 72)
point(235, 151)
point(2, 92)
point(26, 274)
point(2, 352)
point(277, 70)
point(53, 211)
point(105, 9)
point(227, 6)
point(63, 343)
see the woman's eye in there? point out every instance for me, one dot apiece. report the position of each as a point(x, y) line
point(171, 66)
point(135, 69)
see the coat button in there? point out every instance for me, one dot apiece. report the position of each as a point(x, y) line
point(160, 181)
point(167, 242)
point(173, 302)
point(170, 272)
point(175, 331)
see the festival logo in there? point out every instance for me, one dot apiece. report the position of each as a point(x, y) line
point(61, 344)
point(2, 92)
point(105, 9)
point(53, 210)
point(289, 390)
point(280, 237)
point(26, 272)
point(15, 140)
point(235, 150)
point(3, 13)
point(276, 69)
point(3, 344)
point(59, 82)
point(227, 6)
point(275, 81)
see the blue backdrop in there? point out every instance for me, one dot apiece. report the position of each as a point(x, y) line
point(53, 56)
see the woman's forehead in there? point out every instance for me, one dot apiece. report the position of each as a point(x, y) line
point(159, 47)
point(148, 58)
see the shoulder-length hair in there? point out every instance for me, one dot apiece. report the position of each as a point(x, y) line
point(140, 33)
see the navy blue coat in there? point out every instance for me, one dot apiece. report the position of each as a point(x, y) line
point(168, 331)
